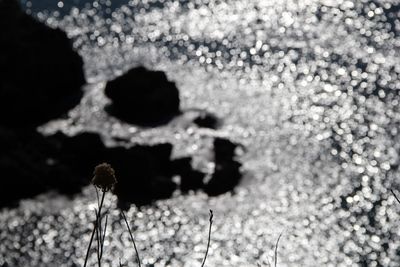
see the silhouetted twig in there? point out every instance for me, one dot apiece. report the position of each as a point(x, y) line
point(398, 200)
point(104, 236)
point(104, 179)
point(209, 238)
point(276, 250)
point(133, 241)
point(98, 238)
point(97, 196)
point(94, 229)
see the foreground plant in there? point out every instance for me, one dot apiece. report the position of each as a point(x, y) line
point(137, 253)
point(104, 179)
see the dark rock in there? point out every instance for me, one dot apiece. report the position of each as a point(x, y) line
point(82, 152)
point(41, 75)
point(207, 120)
point(227, 174)
point(225, 178)
point(31, 164)
point(191, 179)
point(143, 97)
point(224, 149)
point(181, 165)
point(143, 173)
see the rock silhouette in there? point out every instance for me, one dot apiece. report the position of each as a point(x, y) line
point(41, 75)
point(31, 164)
point(143, 97)
point(143, 172)
point(227, 174)
point(28, 167)
point(224, 150)
point(191, 179)
point(207, 120)
point(41, 79)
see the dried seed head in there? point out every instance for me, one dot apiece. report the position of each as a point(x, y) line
point(104, 177)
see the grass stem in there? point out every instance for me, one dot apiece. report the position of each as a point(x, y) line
point(94, 228)
point(209, 238)
point(133, 241)
point(276, 250)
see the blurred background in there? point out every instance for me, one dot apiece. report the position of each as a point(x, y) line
point(281, 116)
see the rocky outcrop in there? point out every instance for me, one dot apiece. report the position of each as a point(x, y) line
point(40, 74)
point(143, 97)
point(41, 79)
point(227, 173)
point(31, 164)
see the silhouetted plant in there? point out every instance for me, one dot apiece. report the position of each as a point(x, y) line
point(275, 253)
point(104, 179)
point(276, 250)
point(398, 200)
point(209, 238)
point(132, 240)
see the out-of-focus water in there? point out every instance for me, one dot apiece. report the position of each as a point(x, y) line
point(309, 87)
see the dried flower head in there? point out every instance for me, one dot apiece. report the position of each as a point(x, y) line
point(104, 177)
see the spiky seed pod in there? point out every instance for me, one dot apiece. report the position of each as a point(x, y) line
point(104, 177)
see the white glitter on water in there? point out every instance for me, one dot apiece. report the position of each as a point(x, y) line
point(309, 88)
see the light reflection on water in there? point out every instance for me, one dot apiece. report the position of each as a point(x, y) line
point(310, 89)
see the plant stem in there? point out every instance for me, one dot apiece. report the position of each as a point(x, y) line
point(276, 250)
point(209, 238)
point(133, 241)
point(98, 240)
point(398, 200)
point(94, 228)
point(102, 240)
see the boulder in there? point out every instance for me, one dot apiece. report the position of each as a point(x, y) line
point(40, 74)
point(227, 173)
point(207, 120)
point(31, 164)
point(143, 173)
point(143, 97)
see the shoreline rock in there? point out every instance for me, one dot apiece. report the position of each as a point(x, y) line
point(143, 97)
point(31, 164)
point(41, 73)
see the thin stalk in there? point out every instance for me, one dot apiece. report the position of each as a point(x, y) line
point(100, 218)
point(98, 239)
point(276, 249)
point(133, 241)
point(94, 229)
point(209, 238)
point(398, 200)
point(102, 239)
